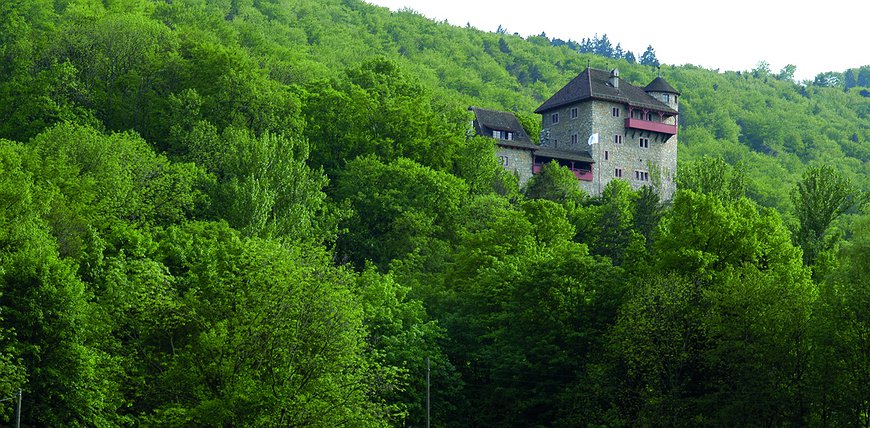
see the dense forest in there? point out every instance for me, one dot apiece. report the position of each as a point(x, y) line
point(273, 213)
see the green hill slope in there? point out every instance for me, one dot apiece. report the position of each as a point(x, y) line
point(271, 213)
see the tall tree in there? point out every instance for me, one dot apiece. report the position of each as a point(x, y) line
point(603, 47)
point(819, 199)
point(555, 183)
point(842, 334)
point(649, 57)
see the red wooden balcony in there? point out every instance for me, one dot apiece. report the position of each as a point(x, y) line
point(583, 175)
point(580, 174)
point(646, 125)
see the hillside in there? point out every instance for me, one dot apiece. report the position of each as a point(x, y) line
point(272, 213)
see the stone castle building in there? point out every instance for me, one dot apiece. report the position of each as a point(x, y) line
point(600, 127)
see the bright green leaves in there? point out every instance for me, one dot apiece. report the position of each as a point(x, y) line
point(819, 199)
point(712, 176)
point(703, 235)
point(380, 110)
point(555, 183)
point(102, 179)
point(269, 333)
point(263, 186)
point(399, 208)
point(43, 310)
point(842, 330)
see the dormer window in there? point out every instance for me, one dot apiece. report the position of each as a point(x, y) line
point(502, 135)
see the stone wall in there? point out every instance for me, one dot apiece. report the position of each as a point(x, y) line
point(560, 133)
point(517, 161)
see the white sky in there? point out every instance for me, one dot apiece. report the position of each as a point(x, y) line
point(816, 36)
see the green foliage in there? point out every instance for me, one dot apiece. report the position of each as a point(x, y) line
point(261, 333)
point(555, 183)
point(819, 199)
point(713, 176)
point(263, 185)
point(703, 235)
point(843, 366)
point(399, 208)
point(380, 110)
point(44, 309)
point(195, 182)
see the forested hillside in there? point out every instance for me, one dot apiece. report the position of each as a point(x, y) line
point(272, 213)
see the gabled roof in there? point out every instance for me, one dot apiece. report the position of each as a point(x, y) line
point(660, 85)
point(582, 156)
point(493, 120)
point(595, 84)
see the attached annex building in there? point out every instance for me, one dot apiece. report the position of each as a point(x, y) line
point(600, 127)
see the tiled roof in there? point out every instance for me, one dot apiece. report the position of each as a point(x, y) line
point(492, 120)
point(549, 152)
point(660, 85)
point(595, 84)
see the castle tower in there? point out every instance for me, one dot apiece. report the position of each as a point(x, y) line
point(636, 129)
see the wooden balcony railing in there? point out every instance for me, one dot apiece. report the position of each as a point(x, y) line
point(646, 125)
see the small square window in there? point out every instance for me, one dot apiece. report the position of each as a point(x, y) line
point(617, 139)
point(504, 161)
point(617, 173)
point(554, 118)
point(644, 143)
point(641, 175)
point(573, 112)
point(615, 112)
point(666, 98)
point(573, 138)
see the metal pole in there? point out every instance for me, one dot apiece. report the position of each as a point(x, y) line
point(600, 147)
point(427, 392)
point(18, 412)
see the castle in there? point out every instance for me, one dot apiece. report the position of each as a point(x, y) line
point(600, 127)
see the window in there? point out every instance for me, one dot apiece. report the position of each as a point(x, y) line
point(617, 173)
point(554, 118)
point(666, 98)
point(615, 112)
point(617, 139)
point(502, 135)
point(606, 155)
point(573, 112)
point(641, 175)
point(504, 160)
point(573, 138)
point(649, 117)
point(644, 143)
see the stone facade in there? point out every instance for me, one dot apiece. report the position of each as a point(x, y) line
point(518, 161)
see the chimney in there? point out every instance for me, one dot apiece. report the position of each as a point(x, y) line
point(614, 78)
